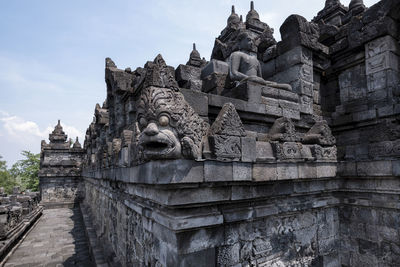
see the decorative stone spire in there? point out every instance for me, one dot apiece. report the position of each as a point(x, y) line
point(356, 3)
point(252, 13)
point(58, 135)
point(194, 58)
point(77, 144)
point(195, 54)
point(330, 3)
point(233, 18)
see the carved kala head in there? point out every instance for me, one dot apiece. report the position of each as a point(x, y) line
point(169, 127)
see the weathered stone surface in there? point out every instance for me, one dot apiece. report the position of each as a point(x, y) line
point(261, 186)
point(225, 134)
point(188, 77)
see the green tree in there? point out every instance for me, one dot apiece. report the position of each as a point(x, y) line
point(7, 181)
point(27, 170)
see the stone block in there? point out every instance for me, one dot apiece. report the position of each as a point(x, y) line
point(325, 170)
point(292, 57)
point(381, 45)
point(217, 171)
point(291, 113)
point(275, 111)
point(306, 104)
point(264, 172)
point(255, 108)
point(219, 101)
point(344, 94)
point(198, 101)
point(306, 152)
point(165, 172)
point(307, 170)
point(215, 66)
point(188, 77)
point(292, 74)
point(287, 95)
point(270, 92)
point(264, 152)
point(248, 148)
point(396, 167)
point(124, 161)
point(284, 104)
point(346, 169)
point(215, 83)
point(248, 91)
point(242, 171)
point(352, 77)
point(356, 93)
point(383, 61)
point(268, 69)
point(380, 98)
point(270, 101)
point(364, 115)
point(374, 168)
point(287, 171)
point(302, 87)
point(316, 97)
point(377, 81)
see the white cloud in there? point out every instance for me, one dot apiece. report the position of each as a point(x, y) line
point(20, 128)
point(19, 134)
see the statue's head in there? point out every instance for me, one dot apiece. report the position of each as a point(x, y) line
point(246, 42)
point(169, 127)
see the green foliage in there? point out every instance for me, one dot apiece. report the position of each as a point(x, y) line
point(7, 181)
point(27, 170)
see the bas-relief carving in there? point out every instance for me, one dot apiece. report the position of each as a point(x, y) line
point(225, 133)
point(169, 127)
point(384, 149)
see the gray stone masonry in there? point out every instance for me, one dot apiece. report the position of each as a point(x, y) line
point(271, 154)
point(60, 170)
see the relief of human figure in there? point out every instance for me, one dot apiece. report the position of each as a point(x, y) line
point(244, 65)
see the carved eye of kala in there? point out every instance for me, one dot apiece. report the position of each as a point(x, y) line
point(163, 120)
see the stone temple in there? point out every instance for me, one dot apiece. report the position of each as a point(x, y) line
point(270, 154)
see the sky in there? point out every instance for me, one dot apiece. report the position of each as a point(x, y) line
point(52, 53)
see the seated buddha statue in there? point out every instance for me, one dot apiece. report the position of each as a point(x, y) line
point(244, 65)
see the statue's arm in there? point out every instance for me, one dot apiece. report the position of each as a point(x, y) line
point(234, 68)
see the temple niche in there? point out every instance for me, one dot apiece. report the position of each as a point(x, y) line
point(269, 154)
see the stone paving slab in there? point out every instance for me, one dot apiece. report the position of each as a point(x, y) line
point(57, 240)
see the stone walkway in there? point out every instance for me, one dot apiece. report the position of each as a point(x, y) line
point(57, 240)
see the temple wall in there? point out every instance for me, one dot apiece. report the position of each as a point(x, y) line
point(61, 189)
point(369, 214)
point(314, 222)
point(300, 172)
point(190, 222)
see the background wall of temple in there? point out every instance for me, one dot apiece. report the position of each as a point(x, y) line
point(277, 223)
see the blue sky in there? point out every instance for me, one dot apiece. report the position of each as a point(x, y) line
point(52, 53)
